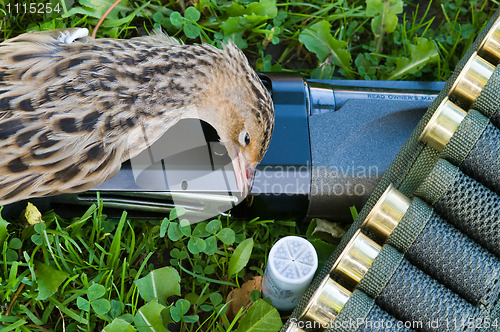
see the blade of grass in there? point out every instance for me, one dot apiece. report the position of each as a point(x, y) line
point(220, 282)
point(114, 250)
point(16, 325)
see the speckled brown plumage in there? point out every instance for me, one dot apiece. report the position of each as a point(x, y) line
point(72, 108)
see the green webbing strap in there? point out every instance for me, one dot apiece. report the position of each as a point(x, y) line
point(410, 227)
point(488, 100)
point(420, 169)
point(381, 271)
point(465, 137)
point(358, 307)
point(441, 177)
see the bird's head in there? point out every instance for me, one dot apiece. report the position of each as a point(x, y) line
point(240, 108)
point(246, 140)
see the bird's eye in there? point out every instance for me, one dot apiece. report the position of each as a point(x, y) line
point(244, 138)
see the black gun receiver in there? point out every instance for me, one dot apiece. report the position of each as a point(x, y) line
point(332, 142)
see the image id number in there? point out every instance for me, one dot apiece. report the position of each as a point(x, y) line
point(32, 8)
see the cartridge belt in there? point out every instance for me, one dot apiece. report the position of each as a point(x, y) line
point(424, 252)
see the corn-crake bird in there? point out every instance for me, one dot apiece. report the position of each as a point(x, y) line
point(73, 108)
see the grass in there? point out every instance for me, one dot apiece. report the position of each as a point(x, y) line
point(85, 273)
point(92, 272)
point(385, 39)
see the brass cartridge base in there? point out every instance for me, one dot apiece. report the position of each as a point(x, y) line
point(387, 213)
point(490, 47)
point(326, 302)
point(471, 81)
point(356, 259)
point(442, 125)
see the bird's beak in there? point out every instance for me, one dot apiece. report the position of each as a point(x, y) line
point(244, 173)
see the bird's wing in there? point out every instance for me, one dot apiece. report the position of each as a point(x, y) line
point(65, 124)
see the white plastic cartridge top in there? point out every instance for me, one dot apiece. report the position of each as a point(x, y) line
point(290, 269)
